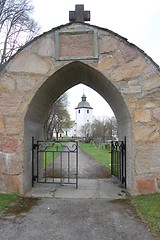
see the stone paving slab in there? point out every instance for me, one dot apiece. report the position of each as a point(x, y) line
point(111, 189)
point(87, 188)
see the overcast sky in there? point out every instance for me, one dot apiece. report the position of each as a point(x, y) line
point(137, 20)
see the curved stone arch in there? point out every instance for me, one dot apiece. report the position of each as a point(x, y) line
point(123, 75)
point(72, 74)
point(62, 80)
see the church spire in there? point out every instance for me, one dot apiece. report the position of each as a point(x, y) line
point(84, 97)
point(83, 103)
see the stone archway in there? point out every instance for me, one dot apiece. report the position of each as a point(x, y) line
point(61, 58)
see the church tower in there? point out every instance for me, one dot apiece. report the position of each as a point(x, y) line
point(83, 115)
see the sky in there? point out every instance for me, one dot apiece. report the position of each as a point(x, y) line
point(137, 20)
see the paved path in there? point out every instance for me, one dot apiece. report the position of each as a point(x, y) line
point(97, 210)
point(87, 167)
point(75, 219)
point(90, 169)
point(87, 188)
point(95, 181)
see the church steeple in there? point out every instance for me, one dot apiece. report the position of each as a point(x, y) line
point(84, 97)
point(83, 115)
point(83, 103)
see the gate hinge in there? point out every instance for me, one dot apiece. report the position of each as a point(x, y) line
point(123, 180)
point(34, 146)
point(34, 178)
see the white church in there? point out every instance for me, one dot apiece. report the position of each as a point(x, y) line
point(83, 117)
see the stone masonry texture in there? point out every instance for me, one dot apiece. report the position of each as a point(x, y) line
point(123, 74)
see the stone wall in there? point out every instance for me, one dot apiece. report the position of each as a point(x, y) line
point(40, 72)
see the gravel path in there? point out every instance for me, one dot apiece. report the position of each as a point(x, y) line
point(70, 219)
point(88, 168)
point(75, 214)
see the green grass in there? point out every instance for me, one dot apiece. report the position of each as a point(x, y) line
point(100, 154)
point(49, 155)
point(148, 207)
point(6, 200)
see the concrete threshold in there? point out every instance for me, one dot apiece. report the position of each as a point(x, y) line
point(87, 189)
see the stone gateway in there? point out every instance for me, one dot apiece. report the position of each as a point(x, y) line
point(57, 60)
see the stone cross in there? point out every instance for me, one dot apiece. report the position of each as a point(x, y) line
point(79, 15)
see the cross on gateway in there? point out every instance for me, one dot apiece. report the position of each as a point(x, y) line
point(79, 15)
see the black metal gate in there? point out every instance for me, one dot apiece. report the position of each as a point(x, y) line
point(55, 162)
point(118, 160)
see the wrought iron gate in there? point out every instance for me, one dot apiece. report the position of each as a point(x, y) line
point(55, 162)
point(118, 160)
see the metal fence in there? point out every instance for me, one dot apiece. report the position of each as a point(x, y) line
point(118, 160)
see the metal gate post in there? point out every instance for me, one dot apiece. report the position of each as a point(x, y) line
point(32, 161)
point(37, 163)
point(111, 157)
point(124, 162)
point(33, 148)
point(125, 169)
point(77, 165)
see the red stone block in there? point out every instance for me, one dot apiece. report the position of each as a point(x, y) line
point(13, 184)
point(145, 185)
point(13, 126)
point(8, 144)
point(3, 168)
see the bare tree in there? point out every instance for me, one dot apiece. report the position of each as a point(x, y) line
point(16, 26)
point(2, 3)
point(99, 127)
point(103, 128)
point(86, 130)
point(58, 118)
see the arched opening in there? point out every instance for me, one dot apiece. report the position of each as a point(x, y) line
point(65, 78)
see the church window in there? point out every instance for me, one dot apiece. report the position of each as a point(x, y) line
point(87, 111)
point(79, 111)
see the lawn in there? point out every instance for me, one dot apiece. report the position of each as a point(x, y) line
point(53, 151)
point(148, 207)
point(49, 153)
point(100, 154)
point(6, 200)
